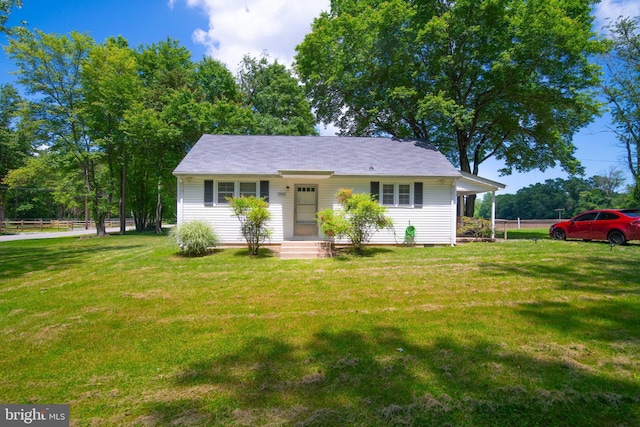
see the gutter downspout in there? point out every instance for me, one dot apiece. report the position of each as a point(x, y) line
point(180, 201)
point(454, 212)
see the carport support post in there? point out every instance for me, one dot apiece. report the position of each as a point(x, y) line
point(493, 215)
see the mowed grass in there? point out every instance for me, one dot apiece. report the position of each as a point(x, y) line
point(529, 332)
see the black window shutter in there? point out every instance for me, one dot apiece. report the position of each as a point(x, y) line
point(417, 194)
point(208, 192)
point(375, 190)
point(264, 190)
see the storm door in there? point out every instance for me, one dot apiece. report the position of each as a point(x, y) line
point(306, 206)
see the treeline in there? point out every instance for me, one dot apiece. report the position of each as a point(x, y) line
point(574, 195)
point(100, 127)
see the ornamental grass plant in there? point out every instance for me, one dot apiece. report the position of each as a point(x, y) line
point(194, 238)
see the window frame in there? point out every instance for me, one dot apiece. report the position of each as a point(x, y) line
point(256, 188)
point(220, 200)
point(396, 194)
point(219, 196)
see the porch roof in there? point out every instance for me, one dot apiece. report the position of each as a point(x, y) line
point(470, 184)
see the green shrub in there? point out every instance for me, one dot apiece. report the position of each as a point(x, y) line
point(194, 237)
point(476, 227)
point(253, 214)
point(361, 216)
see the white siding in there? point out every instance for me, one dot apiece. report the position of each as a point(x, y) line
point(434, 221)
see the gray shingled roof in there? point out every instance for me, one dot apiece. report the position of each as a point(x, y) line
point(346, 156)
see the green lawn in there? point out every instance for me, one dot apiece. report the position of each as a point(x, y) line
point(523, 333)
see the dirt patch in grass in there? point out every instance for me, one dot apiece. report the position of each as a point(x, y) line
point(151, 294)
point(182, 393)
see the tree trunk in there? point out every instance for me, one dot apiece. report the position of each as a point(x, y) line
point(159, 209)
point(470, 205)
point(465, 166)
point(123, 197)
point(3, 201)
point(464, 140)
point(98, 218)
point(101, 230)
point(86, 212)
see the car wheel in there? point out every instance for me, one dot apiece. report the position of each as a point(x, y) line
point(616, 237)
point(559, 234)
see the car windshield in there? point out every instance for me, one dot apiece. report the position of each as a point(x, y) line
point(632, 212)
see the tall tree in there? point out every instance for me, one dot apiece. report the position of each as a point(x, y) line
point(49, 67)
point(509, 79)
point(14, 150)
point(110, 87)
point(622, 90)
point(609, 182)
point(276, 98)
point(166, 72)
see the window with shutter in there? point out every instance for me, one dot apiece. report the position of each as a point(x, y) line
point(396, 194)
point(248, 189)
point(404, 194)
point(225, 189)
point(388, 194)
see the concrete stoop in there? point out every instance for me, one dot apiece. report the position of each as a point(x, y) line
point(305, 249)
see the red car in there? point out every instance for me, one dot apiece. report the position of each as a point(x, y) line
point(615, 225)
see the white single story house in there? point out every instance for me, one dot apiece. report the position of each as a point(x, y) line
point(300, 175)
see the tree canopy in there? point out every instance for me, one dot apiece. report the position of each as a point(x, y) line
point(573, 195)
point(119, 120)
point(5, 11)
point(277, 100)
point(622, 90)
point(510, 79)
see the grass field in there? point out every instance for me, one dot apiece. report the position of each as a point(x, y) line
point(520, 333)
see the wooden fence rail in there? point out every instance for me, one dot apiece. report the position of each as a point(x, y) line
point(25, 225)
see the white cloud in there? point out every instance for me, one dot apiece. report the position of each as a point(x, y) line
point(608, 11)
point(237, 28)
point(254, 26)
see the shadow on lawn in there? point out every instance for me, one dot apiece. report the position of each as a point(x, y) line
point(262, 253)
point(381, 378)
point(614, 321)
point(347, 253)
point(592, 273)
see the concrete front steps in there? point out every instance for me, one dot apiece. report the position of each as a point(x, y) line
point(305, 249)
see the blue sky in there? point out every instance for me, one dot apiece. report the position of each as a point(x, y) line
point(229, 29)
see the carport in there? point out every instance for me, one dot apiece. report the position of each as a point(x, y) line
point(472, 185)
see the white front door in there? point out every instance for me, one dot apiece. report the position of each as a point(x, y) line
point(306, 206)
